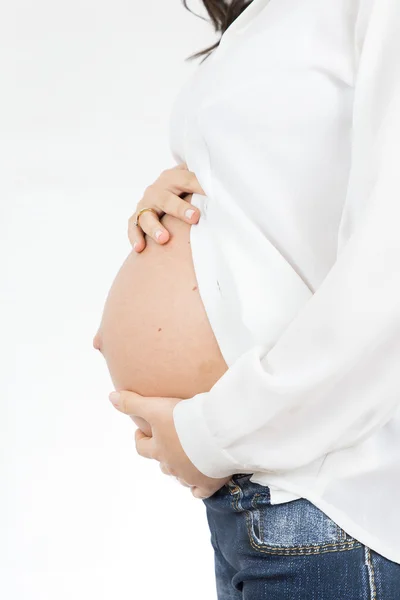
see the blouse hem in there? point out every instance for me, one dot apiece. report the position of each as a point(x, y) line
point(342, 519)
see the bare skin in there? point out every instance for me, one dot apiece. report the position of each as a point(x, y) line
point(154, 333)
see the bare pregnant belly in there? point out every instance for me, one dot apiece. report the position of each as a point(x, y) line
point(154, 334)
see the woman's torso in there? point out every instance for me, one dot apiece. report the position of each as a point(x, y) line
point(275, 179)
point(178, 315)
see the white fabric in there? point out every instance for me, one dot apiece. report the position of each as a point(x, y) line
point(293, 129)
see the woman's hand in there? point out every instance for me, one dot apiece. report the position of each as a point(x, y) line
point(163, 445)
point(199, 492)
point(164, 197)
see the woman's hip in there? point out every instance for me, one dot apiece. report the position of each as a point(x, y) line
point(289, 551)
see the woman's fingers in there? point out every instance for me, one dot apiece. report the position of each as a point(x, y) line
point(180, 180)
point(199, 493)
point(169, 204)
point(135, 235)
point(166, 471)
point(181, 208)
point(182, 165)
point(148, 224)
point(164, 196)
point(182, 482)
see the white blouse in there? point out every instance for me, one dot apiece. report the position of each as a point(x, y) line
point(292, 127)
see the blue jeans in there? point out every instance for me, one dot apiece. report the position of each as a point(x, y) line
point(289, 551)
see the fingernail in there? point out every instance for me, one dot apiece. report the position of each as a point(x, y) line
point(189, 213)
point(114, 398)
point(158, 233)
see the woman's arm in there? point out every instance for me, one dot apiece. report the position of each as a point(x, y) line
point(333, 376)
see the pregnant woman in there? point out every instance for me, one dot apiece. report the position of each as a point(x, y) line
point(253, 333)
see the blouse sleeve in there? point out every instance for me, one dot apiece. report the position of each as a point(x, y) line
point(333, 376)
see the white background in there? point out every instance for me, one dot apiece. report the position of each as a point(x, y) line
point(86, 91)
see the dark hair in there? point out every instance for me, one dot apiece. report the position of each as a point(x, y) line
point(222, 14)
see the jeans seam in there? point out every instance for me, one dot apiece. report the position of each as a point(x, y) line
point(215, 533)
point(371, 573)
point(340, 532)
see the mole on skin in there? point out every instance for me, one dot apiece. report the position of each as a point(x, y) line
point(153, 292)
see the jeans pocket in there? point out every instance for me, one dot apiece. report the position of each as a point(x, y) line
point(290, 528)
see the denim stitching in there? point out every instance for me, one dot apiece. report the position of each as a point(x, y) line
point(371, 574)
point(260, 521)
point(301, 550)
point(342, 535)
point(347, 544)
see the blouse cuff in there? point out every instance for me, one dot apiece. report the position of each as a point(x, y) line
point(197, 442)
